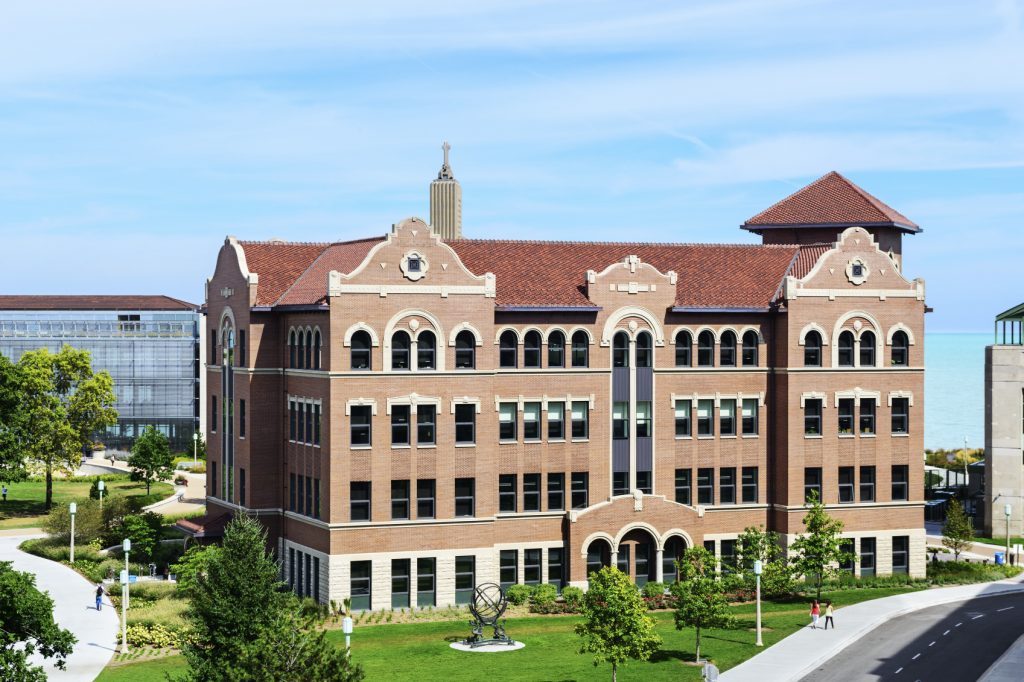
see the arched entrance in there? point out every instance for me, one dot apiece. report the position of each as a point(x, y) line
point(637, 556)
point(674, 547)
point(599, 555)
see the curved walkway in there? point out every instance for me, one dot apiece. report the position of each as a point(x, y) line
point(74, 609)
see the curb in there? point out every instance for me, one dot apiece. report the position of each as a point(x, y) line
point(178, 496)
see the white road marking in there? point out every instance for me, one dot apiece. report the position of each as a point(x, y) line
point(932, 644)
point(916, 656)
point(898, 671)
point(958, 625)
point(980, 615)
point(945, 633)
point(1005, 609)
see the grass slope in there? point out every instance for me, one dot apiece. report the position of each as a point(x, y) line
point(24, 507)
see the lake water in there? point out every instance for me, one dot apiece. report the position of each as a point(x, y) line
point(954, 388)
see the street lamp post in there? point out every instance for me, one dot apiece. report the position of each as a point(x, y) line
point(1008, 510)
point(100, 485)
point(73, 509)
point(127, 546)
point(757, 575)
point(124, 611)
point(346, 627)
point(966, 483)
point(195, 447)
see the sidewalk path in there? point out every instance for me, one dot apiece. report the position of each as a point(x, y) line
point(1008, 667)
point(803, 651)
point(74, 609)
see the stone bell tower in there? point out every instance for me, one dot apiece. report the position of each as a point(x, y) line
point(446, 201)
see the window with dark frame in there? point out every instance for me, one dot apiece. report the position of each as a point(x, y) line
point(465, 423)
point(727, 417)
point(901, 554)
point(556, 420)
point(812, 483)
point(580, 349)
point(867, 416)
point(359, 424)
point(845, 350)
point(426, 350)
point(812, 349)
point(644, 350)
point(620, 350)
point(727, 349)
point(400, 425)
point(812, 416)
point(508, 349)
point(400, 577)
point(705, 349)
point(531, 566)
point(705, 418)
point(849, 549)
point(426, 492)
point(705, 486)
point(465, 579)
point(750, 485)
point(750, 420)
point(580, 482)
point(292, 421)
point(507, 418)
point(531, 492)
point(684, 486)
point(727, 485)
point(399, 500)
point(900, 482)
point(508, 568)
point(556, 570)
point(580, 420)
point(683, 424)
point(556, 349)
point(846, 485)
point(900, 349)
point(620, 483)
point(426, 419)
point(556, 491)
point(359, 500)
point(241, 419)
point(360, 353)
point(401, 346)
point(620, 420)
point(684, 349)
point(360, 588)
point(531, 421)
point(845, 411)
point(867, 484)
point(901, 415)
point(426, 587)
point(465, 350)
point(750, 343)
point(867, 557)
point(531, 349)
point(644, 423)
point(867, 349)
point(507, 493)
point(465, 497)
point(643, 482)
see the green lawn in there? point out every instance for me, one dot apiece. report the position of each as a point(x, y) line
point(24, 506)
point(1000, 541)
point(420, 651)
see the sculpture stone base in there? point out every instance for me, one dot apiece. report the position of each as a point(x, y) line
point(487, 648)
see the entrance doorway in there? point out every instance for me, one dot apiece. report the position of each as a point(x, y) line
point(638, 556)
point(674, 548)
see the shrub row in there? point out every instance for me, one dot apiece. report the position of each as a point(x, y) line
point(153, 635)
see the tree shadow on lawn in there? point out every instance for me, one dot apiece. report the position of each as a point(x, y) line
point(668, 655)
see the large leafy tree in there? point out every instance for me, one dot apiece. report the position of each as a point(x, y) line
point(700, 595)
point(957, 532)
point(245, 628)
point(151, 459)
point(27, 628)
point(819, 550)
point(64, 402)
point(12, 455)
point(757, 544)
point(616, 627)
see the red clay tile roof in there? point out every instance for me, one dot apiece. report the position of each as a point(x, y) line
point(278, 265)
point(311, 286)
point(208, 526)
point(86, 302)
point(829, 200)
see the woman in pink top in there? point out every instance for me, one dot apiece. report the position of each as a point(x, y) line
point(815, 613)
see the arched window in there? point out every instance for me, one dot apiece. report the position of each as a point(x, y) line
point(684, 349)
point(291, 349)
point(309, 349)
point(317, 347)
point(580, 349)
point(620, 350)
point(531, 349)
point(361, 350)
point(301, 350)
point(812, 349)
point(508, 349)
point(644, 350)
point(400, 345)
point(900, 349)
point(727, 349)
point(750, 349)
point(465, 350)
point(426, 350)
point(846, 349)
point(867, 349)
point(556, 349)
point(705, 349)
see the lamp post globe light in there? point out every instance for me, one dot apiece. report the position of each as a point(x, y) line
point(195, 447)
point(757, 575)
point(346, 627)
point(100, 485)
point(73, 509)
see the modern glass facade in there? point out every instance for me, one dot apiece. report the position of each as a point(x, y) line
point(153, 357)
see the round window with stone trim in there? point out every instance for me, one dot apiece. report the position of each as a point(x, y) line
point(414, 266)
point(857, 271)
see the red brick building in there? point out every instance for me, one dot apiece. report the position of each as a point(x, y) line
point(411, 415)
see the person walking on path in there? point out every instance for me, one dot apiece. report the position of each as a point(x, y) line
point(5, 493)
point(99, 596)
point(828, 614)
point(815, 613)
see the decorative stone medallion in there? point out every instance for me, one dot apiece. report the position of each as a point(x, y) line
point(414, 266)
point(857, 271)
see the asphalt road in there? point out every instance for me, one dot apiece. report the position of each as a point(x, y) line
point(950, 643)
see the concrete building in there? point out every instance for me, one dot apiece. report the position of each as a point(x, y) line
point(411, 415)
point(149, 344)
point(1004, 425)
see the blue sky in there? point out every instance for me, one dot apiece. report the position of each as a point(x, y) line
point(135, 136)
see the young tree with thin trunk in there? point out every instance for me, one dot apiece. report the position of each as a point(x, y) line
point(957, 532)
point(151, 459)
point(616, 627)
point(819, 551)
point(700, 595)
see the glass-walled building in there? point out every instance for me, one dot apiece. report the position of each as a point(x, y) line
point(149, 344)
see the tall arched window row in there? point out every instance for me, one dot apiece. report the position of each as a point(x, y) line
point(900, 349)
point(507, 349)
point(308, 363)
point(426, 350)
point(727, 349)
point(620, 350)
point(531, 349)
point(465, 350)
point(812, 349)
point(361, 350)
point(846, 349)
point(644, 350)
point(291, 349)
point(580, 349)
point(684, 349)
point(301, 351)
point(317, 350)
point(556, 349)
point(750, 348)
point(867, 349)
point(705, 349)
point(400, 348)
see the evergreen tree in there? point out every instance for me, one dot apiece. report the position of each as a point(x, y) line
point(27, 627)
point(616, 627)
point(700, 596)
point(957, 532)
point(819, 551)
point(151, 459)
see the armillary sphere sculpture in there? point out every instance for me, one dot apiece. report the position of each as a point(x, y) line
point(489, 604)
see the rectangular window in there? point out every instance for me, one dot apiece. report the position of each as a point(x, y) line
point(291, 492)
point(812, 417)
point(507, 493)
point(241, 348)
point(580, 420)
point(556, 562)
point(705, 486)
point(241, 419)
point(684, 486)
point(316, 499)
point(508, 568)
point(213, 413)
point(399, 425)
point(750, 416)
point(683, 408)
point(307, 423)
point(867, 416)
point(361, 586)
point(643, 482)
point(507, 421)
point(900, 482)
point(556, 421)
point(465, 579)
point(213, 479)
point(845, 416)
point(850, 551)
point(727, 485)
point(400, 583)
point(867, 484)
point(399, 500)
point(846, 485)
point(705, 415)
point(531, 566)
point(241, 486)
point(425, 491)
point(425, 585)
point(620, 483)
point(728, 560)
point(426, 418)
point(309, 496)
point(727, 417)
point(531, 421)
point(531, 492)
point(213, 347)
point(556, 492)
point(867, 557)
point(901, 415)
point(360, 424)
point(465, 423)
point(580, 482)
point(316, 424)
point(750, 485)
point(359, 498)
point(812, 483)
point(465, 496)
point(620, 420)
point(901, 554)
point(292, 426)
point(644, 425)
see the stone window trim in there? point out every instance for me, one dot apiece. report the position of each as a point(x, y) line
point(467, 327)
point(412, 400)
point(719, 397)
point(899, 327)
point(909, 395)
point(352, 402)
point(858, 393)
point(518, 334)
point(466, 400)
point(361, 326)
point(520, 400)
point(857, 329)
point(815, 327)
point(614, 324)
point(815, 395)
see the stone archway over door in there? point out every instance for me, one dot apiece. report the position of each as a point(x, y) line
point(599, 555)
point(675, 545)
